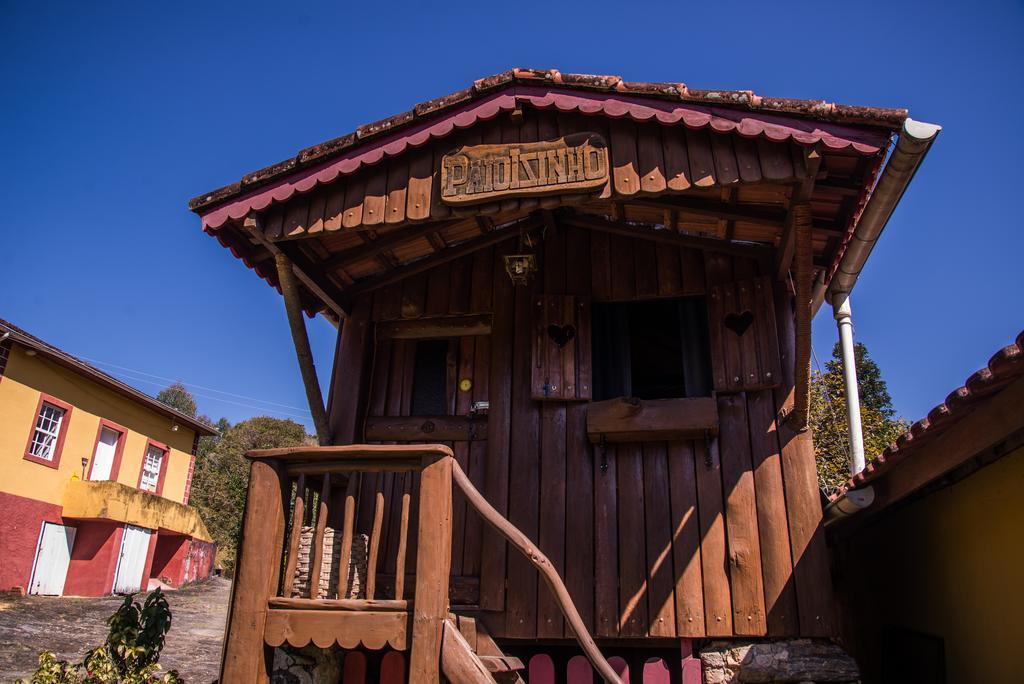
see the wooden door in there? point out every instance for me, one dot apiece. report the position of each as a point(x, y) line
point(132, 561)
point(52, 559)
point(103, 459)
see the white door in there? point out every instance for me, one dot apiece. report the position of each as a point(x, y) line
point(52, 559)
point(132, 561)
point(103, 459)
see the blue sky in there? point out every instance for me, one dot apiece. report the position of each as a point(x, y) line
point(112, 115)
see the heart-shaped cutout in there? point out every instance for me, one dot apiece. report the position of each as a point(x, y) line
point(561, 334)
point(739, 322)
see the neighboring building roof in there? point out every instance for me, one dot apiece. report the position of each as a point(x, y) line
point(62, 358)
point(744, 100)
point(1004, 368)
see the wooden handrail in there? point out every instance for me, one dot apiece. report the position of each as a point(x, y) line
point(541, 562)
point(440, 473)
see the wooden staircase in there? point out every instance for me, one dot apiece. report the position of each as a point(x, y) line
point(270, 608)
point(470, 656)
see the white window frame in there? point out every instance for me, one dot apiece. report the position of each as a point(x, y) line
point(38, 446)
point(146, 481)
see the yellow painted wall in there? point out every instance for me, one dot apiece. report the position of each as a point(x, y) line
point(116, 501)
point(28, 376)
point(949, 565)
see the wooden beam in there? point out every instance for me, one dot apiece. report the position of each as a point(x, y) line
point(293, 307)
point(436, 241)
point(312, 278)
point(424, 428)
point(435, 327)
point(664, 236)
point(362, 605)
point(657, 420)
point(784, 253)
point(803, 284)
point(385, 258)
point(350, 452)
point(438, 258)
point(719, 210)
point(383, 243)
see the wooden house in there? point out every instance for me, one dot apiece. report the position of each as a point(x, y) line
point(567, 412)
point(95, 478)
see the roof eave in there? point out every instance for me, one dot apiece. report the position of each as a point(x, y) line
point(914, 142)
point(113, 384)
point(887, 118)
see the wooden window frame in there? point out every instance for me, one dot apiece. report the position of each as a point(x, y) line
point(122, 437)
point(159, 491)
point(58, 448)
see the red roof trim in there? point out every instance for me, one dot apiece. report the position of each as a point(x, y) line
point(615, 105)
point(1006, 366)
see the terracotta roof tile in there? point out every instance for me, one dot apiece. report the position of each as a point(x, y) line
point(1005, 366)
point(677, 92)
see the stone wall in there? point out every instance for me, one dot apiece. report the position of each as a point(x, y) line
point(327, 586)
point(796, 661)
point(308, 665)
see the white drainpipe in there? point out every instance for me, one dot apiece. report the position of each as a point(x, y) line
point(844, 321)
point(913, 144)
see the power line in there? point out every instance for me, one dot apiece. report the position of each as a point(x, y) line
point(191, 384)
point(253, 407)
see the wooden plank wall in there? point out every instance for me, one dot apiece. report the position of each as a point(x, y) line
point(661, 539)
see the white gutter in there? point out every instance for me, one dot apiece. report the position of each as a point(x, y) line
point(853, 501)
point(915, 140)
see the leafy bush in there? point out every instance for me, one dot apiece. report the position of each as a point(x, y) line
point(130, 654)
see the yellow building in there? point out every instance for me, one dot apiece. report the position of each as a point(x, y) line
point(927, 540)
point(94, 479)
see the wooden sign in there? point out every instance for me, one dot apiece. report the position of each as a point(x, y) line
point(475, 173)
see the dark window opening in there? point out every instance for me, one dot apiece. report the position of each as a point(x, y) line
point(429, 381)
point(656, 349)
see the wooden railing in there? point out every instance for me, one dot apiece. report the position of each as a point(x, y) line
point(292, 489)
point(522, 543)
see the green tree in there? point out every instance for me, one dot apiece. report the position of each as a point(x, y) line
point(178, 397)
point(222, 476)
point(828, 416)
point(207, 443)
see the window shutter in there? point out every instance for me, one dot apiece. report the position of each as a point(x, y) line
point(561, 348)
point(744, 342)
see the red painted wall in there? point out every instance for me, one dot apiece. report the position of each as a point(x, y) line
point(22, 520)
point(94, 558)
point(168, 558)
point(199, 561)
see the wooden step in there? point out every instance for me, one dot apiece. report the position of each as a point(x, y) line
point(459, 664)
point(499, 664)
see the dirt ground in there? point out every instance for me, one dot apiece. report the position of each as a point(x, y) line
point(71, 626)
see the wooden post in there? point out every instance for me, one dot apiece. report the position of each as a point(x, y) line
point(803, 286)
point(433, 564)
point(293, 306)
point(256, 578)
